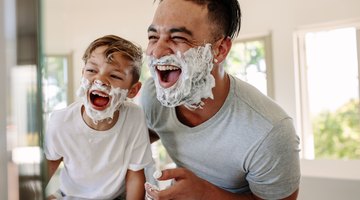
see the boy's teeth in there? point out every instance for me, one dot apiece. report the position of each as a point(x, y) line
point(99, 94)
point(166, 67)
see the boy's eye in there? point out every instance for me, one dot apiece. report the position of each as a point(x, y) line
point(116, 77)
point(90, 71)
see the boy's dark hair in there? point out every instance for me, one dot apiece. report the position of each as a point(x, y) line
point(116, 44)
point(225, 14)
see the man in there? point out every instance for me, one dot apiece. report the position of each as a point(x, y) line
point(228, 140)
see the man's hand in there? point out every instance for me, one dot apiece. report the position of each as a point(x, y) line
point(186, 186)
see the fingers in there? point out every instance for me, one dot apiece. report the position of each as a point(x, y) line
point(172, 190)
point(153, 192)
point(177, 174)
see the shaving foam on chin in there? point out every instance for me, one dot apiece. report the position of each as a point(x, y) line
point(117, 98)
point(195, 82)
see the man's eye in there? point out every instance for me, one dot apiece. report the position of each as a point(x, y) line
point(152, 37)
point(179, 39)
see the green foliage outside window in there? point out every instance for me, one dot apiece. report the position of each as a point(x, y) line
point(337, 134)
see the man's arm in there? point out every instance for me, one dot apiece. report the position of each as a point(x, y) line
point(188, 186)
point(135, 181)
point(218, 193)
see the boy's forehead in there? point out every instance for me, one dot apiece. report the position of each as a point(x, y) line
point(98, 50)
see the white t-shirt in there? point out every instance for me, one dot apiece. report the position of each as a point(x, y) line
point(95, 162)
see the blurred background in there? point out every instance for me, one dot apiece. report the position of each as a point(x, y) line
point(303, 54)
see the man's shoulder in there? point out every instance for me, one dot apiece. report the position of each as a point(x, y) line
point(148, 94)
point(249, 96)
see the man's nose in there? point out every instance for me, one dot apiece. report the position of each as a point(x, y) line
point(159, 49)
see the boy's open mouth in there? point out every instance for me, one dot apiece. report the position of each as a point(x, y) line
point(99, 99)
point(168, 75)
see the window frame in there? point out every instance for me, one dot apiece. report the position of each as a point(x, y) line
point(266, 38)
point(339, 169)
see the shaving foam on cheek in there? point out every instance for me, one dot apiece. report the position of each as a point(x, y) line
point(117, 98)
point(195, 82)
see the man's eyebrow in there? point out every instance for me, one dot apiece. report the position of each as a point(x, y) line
point(172, 30)
point(152, 29)
point(182, 30)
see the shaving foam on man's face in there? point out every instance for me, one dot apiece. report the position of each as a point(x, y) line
point(99, 101)
point(188, 74)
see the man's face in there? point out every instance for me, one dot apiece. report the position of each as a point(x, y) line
point(177, 26)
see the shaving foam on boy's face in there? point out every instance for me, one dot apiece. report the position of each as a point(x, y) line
point(100, 101)
point(184, 79)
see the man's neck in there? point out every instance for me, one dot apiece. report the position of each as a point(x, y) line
point(198, 116)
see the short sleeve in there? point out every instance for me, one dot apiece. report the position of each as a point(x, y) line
point(275, 169)
point(141, 155)
point(51, 141)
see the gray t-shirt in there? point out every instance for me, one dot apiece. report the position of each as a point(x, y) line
point(249, 144)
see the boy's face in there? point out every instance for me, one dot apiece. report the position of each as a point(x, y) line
point(117, 74)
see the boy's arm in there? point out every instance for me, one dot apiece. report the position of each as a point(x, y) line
point(135, 181)
point(52, 166)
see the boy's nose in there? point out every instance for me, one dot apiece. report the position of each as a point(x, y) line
point(100, 83)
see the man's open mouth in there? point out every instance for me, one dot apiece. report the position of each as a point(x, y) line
point(99, 99)
point(168, 75)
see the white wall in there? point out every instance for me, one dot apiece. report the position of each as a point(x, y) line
point(71, 25)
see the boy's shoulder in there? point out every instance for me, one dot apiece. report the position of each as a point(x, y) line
point(67, 113)
point(132, 106)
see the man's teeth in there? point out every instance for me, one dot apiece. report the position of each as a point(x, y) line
point(99, 94)
point(166, 67)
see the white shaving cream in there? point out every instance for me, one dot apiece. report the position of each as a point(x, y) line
point(195, 81)
point(117, 97)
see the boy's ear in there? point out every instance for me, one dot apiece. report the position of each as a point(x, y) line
point(135, 88)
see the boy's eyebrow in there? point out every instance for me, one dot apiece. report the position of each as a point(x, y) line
point(92, 62)
point(172, 30)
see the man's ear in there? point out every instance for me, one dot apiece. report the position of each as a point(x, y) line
point(135, 88)
point(222, 48)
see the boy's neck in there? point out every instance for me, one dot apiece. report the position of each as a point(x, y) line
point(101, 125)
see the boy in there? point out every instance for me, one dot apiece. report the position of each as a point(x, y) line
point(103, 139)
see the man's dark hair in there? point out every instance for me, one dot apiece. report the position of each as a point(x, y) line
point(225, 14)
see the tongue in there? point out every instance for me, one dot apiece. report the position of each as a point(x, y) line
point(172, 76)
point(100, 101)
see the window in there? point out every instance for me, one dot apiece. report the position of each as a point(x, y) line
point(56, 82)
point(328, 92)
point(250, 61)
point(57, 93)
